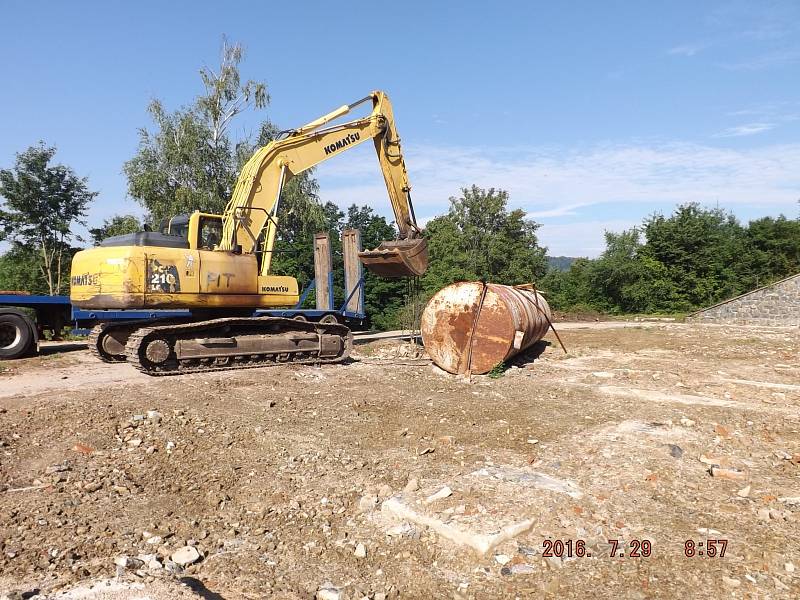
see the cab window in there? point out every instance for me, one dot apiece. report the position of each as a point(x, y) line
point(177, 225)
point(210, 233)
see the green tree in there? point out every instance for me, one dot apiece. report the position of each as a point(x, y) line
point(689, 259)
point(116, 225)
point(703, 251)
point(616, 269)
point(479, 238)
point(20, 270)
point(572, 289)
point(651, 290)
point(190, 162)
point(43, 203)
point(774, 249)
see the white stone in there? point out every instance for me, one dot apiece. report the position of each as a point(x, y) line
point(185, 556)
point(445, 492)
point(154, 565)
point(360, 551)
point(603, 374)
point(329, 592)
point(367, 503)
point(121, 561)
point(401, 530)
point(411, 486)
point(481, 543)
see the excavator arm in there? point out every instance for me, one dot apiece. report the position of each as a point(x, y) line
point(253, 210)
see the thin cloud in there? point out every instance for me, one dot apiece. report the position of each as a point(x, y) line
point(769, 112)
point(558, 186)
point(687, 49)
point(747, 129)
point(560, 211)
point(769, 60)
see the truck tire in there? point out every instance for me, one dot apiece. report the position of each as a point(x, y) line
point(16, 337)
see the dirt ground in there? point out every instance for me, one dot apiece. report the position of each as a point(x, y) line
point(387, 478)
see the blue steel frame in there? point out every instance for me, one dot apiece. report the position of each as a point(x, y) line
point(314, 313)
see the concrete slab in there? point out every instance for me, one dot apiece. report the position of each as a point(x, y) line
point(485, 508)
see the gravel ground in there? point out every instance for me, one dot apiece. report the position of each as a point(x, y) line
point(387, 478)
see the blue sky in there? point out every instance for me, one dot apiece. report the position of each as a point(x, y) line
point(591, 114)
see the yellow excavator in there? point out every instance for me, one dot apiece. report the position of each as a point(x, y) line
point(217, 266)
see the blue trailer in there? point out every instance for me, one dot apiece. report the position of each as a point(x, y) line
point(24, 318)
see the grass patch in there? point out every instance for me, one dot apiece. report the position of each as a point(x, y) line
point(498, 370)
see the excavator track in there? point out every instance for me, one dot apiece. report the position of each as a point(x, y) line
point(235, 343)
point(94, 342)
point(114, 351)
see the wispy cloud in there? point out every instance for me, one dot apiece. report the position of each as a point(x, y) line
point(558, 211)
point(775, 113)
point(761, 21)
point(687, 49)
point(768, 60)
point(746, 129)
point(756, 35)
point(561, 187)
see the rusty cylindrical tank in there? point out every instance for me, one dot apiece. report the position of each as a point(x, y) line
point(472, 326)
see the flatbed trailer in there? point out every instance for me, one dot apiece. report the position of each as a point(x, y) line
point(24, 318)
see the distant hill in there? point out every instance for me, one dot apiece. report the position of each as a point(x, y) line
point(560, 263)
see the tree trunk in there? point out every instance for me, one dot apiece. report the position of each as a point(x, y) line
point(58, 276)
point(47, 268)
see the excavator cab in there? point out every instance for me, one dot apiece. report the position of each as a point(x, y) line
point(399, 258)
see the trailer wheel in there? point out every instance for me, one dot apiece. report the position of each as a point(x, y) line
point(329, 320)
point(15, 336)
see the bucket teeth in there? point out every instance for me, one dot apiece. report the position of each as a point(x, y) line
point(401, 258)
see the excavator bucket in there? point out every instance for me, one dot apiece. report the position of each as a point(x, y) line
point(401, 258)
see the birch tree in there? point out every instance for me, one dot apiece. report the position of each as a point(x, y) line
point(190, 160)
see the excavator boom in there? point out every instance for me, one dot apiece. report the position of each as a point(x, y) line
point(251, 218)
